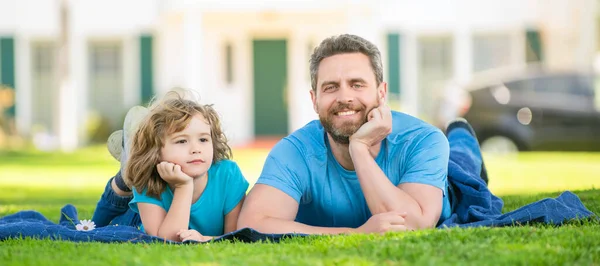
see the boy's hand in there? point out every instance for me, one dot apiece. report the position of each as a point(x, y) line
point(192, 234)
point(172, 174)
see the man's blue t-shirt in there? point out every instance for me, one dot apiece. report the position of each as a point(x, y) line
point(225, 187)
point(302, 166)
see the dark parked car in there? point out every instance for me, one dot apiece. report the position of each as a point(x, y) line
point(536, 110)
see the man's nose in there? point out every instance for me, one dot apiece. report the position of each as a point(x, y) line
point(345, 94)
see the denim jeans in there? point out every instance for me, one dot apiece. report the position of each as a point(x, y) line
point(113, 209)
point(461, 141)
point(464, 145)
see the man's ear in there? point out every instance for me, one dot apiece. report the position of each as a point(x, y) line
point(313, 97)
point(382, 90)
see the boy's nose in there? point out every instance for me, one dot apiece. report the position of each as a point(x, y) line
point(196, 148)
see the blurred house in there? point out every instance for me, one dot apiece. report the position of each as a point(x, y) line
point(250, 58)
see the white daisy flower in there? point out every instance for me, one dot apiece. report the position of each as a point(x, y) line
point(85, 225)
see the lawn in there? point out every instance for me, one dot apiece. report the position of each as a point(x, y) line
point(46, 182)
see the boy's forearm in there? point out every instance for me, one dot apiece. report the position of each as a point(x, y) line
point(178, 216)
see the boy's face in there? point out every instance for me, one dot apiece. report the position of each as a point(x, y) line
point(191, 148)
point(346, 92)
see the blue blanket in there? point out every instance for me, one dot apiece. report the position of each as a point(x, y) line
point(484, 211)
point(33, 224)
point(475, 205)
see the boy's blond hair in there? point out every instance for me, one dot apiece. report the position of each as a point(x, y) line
point(169, 115)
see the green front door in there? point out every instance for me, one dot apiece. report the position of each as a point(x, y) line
point(270, 86)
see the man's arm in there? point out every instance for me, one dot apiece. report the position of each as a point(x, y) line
point(272, 204)
point(428, 164)
point(270, 210)
point(421, 202)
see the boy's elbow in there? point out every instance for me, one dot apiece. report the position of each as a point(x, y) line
point(166, 235)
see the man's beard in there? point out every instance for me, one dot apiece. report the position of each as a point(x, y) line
point(341, 135)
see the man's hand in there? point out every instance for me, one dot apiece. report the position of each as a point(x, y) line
point(173, 175)
point(378, 126)
point(192, 234)
point(384, 222)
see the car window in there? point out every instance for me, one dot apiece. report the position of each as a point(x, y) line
point(567, 84)
point(520, 86)
point(584, 85)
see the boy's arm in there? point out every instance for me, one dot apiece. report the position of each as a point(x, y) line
point(231, 218)
point(164, 224)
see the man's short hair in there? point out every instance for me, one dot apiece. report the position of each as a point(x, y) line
point(343, 44)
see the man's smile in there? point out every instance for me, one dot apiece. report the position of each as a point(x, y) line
point(346, 113)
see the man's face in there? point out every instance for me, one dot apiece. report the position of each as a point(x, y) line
point(346, 92)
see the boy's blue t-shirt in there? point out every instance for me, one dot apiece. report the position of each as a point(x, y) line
point(302, 166)
point(225, 188)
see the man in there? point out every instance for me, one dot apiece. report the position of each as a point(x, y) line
point(362, 167)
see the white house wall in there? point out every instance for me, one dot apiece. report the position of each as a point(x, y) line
point(189, 39)
point(300, 22)
point(112, 20)
point(169, 64)
point(571, 30)
point(31, 21)
point(562, 22)
point(235, 101)
point(568, 31)
point(460, 19)
point(436, 15)
point(236, 6)
point(26, 24)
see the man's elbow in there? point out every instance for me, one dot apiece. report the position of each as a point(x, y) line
point(415, 220)
point(249, 220)
point(244, 222)
point(426, 224)
point(422, 221)
point(426, 217)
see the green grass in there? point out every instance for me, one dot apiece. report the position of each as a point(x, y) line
point(47, 181)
